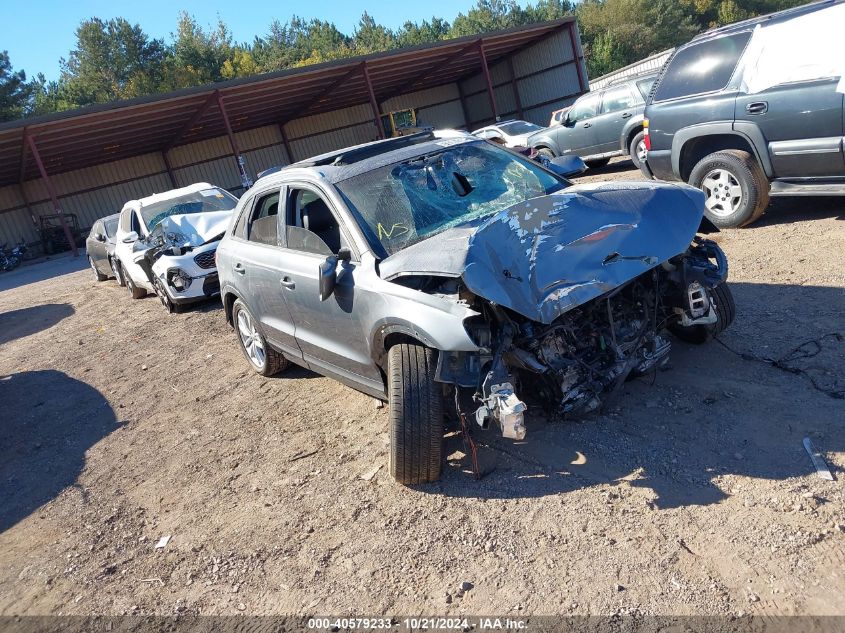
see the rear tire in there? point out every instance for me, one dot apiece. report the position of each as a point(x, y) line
point(725, 308)
point(416, 414)
point(263, 359)
point(597, 163)
point(637, 150)
point(545, 151)
point(718, 176)
point(134, 291)
point(118, 273)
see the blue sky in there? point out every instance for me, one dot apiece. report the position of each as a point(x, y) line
point(39, 32)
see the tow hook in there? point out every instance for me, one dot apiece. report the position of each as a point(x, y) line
point(503, 406)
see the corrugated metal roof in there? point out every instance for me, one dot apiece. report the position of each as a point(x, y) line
point(108, 132)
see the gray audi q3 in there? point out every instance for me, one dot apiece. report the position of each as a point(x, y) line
point(452, 277)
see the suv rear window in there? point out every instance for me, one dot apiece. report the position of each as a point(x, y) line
point(701, 68)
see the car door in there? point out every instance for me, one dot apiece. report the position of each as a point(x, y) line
point(256, 264)
point(577, 135)
point(128, 223)
point(330, 333)
point(618, 105)
point(95, 246)
point(802, 123)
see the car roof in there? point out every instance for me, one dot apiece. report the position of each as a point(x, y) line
point(779, 16)
point(344, 163)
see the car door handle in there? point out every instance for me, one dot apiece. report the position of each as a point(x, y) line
point(588, 125)
point(288, 283)
point(239, 268)
point(627, 115)
point(758, 107)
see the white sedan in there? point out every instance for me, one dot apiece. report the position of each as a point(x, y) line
point(513, 133)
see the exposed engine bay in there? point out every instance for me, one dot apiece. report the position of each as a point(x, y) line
point(575, 363)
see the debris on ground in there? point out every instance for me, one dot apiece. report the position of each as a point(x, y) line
point(818, 460)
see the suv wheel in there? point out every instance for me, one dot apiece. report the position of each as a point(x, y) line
point(416, 414)
point(262, 358)
point(545, 151)
point(735, 188)
point(134, 291)
point(637, 150)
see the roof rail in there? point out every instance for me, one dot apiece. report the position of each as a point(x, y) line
point(368, 150)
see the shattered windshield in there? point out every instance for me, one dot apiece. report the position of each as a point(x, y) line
point(212, 199)
point(406, 202)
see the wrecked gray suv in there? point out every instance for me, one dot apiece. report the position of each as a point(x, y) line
point(453, 276)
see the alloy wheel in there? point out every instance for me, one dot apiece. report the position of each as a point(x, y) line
point(251, 339)
point(723, 192)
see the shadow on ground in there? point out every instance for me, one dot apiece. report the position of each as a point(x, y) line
point(26, 321)
point(49, 421)
point(711, 413)
point(785, 210)
point(42, 271)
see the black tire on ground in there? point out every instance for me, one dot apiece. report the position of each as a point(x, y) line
point(416, 414)
point(743, 168)
point(597, 163)
point(725, 308)
point(633, 149)
point(100, 276)
point(118, 273)
point(134, 291)
point(274, 362)
point(545, 151)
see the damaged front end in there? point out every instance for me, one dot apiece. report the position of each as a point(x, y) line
point(577, 293)
point(179, 257)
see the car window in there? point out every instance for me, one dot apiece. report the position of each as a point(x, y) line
point(644, 86)
point(126, 220)
point(263, 224)
point(585, 108)
point(701, 68)
point(519, 127)
point(110, 226)
point(311, 225)
point(401, 203)
point(617, 98)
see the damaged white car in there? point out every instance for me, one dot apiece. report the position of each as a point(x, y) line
point(452, 276)
point(167, 242)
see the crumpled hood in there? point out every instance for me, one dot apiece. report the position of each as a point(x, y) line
point(550, 254)
point(197, 228)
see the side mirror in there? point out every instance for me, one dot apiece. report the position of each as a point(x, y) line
point(567, 166)
point(99, 237)
point(130, 237)
point(328, 276)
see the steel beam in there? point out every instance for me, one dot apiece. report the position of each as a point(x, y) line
point(285, 142)
point(359, 68)
point(53, 196)
point(373, 102)
point(246, 181)
point(463, 100)
point(169, 169)
point(193, 121)
point(515, 88)
point(24, 148)
point(578, 58)
point(488, 80)
point(438, 66)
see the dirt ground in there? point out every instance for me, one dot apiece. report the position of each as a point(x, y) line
point(690, 494)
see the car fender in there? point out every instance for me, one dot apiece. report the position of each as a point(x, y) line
point(544, 139)
point(743, 129)
point(630, 125)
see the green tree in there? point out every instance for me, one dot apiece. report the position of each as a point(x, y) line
point(370, 37)
point(413, 34)
point(112, 60)
point(14, 90)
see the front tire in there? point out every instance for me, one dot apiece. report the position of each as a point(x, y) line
point(134, 291)
point(97, 274)
point(545, 151)
point(637, 150)
point(735, 187)
point(416, 414)
point(262, 358)
point(725, 307)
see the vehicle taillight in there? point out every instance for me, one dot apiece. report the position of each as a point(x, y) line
point(647, 138)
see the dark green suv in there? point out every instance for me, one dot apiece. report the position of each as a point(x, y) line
point(753, 110)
